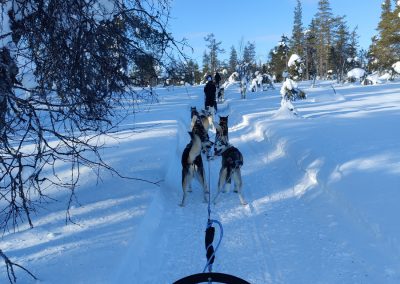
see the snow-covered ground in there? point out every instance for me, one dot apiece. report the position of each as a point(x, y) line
point(323, 191)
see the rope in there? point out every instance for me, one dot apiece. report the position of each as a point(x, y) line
point(210, 230)
point(211, 256)
point(209, 191)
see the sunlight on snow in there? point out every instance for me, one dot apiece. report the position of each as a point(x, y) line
point(371, 164)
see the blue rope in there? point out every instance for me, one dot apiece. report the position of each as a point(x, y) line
point(209, 190)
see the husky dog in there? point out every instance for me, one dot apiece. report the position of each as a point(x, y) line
point(232, 161)
point(192, 166)
point(221, 137)
point(200, 125)
point(221, 94)
point(243, 89)
point(205, 117)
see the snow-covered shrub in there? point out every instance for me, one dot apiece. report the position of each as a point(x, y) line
point(372, 79)
point(356, 74)
point(385, 76)
point(295, 66)
point(267, 82)
point(396, 67)
point(256, 83)
point(290, 91)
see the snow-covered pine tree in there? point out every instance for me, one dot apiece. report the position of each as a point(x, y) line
point(278, 58)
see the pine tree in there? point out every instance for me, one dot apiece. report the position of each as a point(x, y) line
point(386, 48)
point(297, 40)
point(191, 72)
point(341, 48)
point(396, 33)
point(323, 22)
point(214, 48)
point(371, 58)
point(233, 60)
point(278, 58)
point(310, 56)
point(206, 63)
point(249, 53)
point(249, 57)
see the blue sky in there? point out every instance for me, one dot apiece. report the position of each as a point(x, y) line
point(261, 21)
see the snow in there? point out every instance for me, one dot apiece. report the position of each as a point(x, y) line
point(289, 84)
point(385, 76)
point(322, 186)
point(356, 73)
point(293, 59)
point(396, 67)
point(374, 78)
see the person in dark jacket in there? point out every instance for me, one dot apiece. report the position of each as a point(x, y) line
point(217, 78)
point(210, 94)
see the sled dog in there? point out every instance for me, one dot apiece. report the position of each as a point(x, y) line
point(232, 161)
point(192, 166)
point(221, 95)
point(221, 137)
point(205, 117)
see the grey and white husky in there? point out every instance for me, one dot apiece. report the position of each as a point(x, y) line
point(231, 164)
point(192, 166)
point(221, 94)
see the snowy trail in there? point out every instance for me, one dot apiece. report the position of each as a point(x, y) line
point(171, 221)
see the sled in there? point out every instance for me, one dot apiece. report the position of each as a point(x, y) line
point(211, 278)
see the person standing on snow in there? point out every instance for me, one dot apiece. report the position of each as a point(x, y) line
point(210, 94)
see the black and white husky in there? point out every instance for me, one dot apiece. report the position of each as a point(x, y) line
point(221, 137)
point(192, 166)
point(205, 117)
point(232, 161)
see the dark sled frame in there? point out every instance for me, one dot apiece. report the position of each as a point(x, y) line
point(211, 278)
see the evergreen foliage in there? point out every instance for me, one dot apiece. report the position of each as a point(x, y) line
point(297, 40)
point(214, 48)
point(324, 26)
point(233, 60)
point(278, 58)
point(385, 47)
